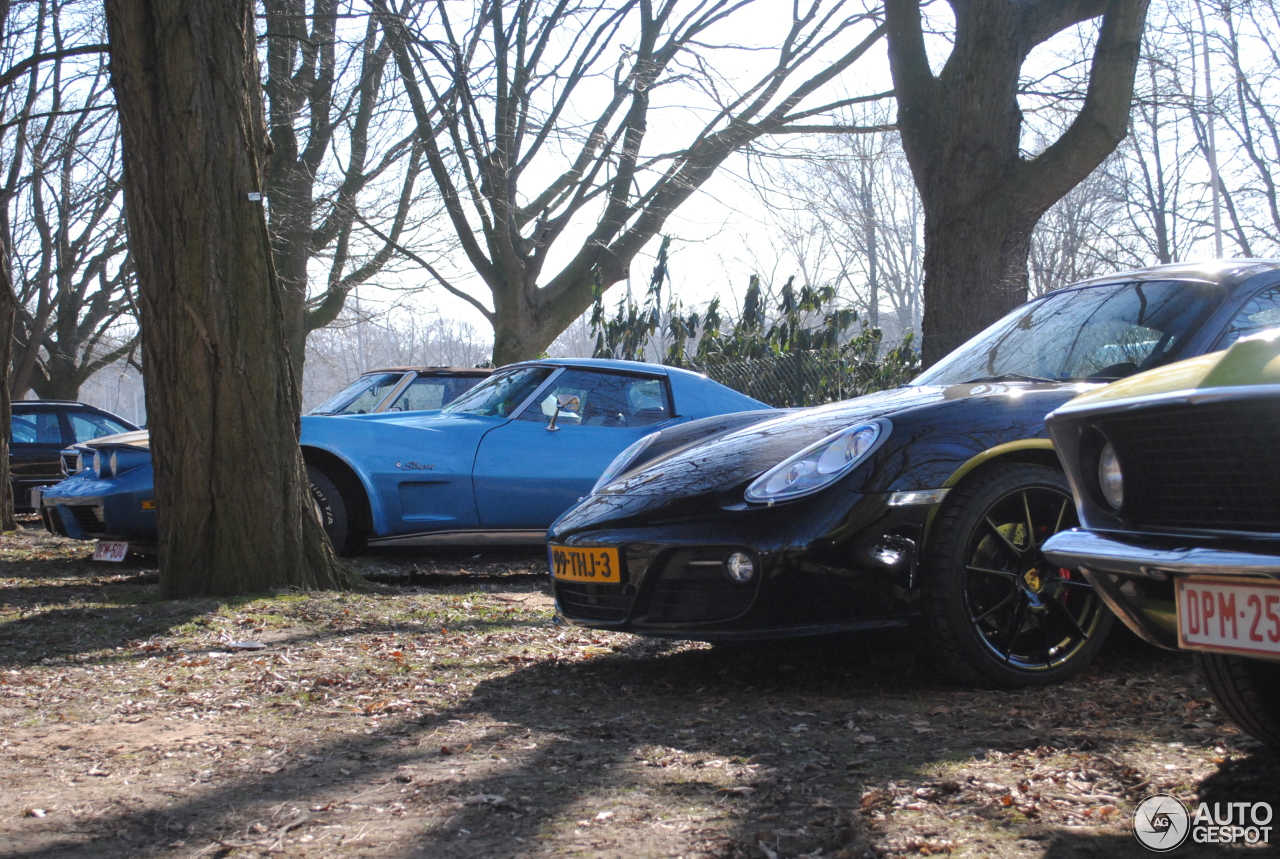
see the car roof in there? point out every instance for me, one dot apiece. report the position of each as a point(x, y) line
point(607, 364)
point(72, 404)
point(452, 371)
point(1228, 273)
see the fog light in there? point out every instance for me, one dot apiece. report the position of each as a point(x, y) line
point(1110, 479)
point(740, 567)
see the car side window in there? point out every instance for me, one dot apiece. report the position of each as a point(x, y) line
point(88, 426)
point(1259, 313)
point(605, 400)
point(35, 428)
point(368, 399)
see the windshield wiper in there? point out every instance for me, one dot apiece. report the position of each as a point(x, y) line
point(1013, 377)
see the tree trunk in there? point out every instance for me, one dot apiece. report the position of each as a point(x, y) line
point(8, 302)
point(233, 504)
point(524, 329)
point(961, 131)
point(975, 265)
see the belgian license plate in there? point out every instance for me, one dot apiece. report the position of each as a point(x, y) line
point(1232, 617)
point(585, 565)
point(110, 550)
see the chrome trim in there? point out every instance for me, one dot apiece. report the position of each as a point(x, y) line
point(532, 398)
point(1078, 549)
point(463, 538)
point(1186, 396)
point(385, 403)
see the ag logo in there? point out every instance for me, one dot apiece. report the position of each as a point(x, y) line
point(1161, 823)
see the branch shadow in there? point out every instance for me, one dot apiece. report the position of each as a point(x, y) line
point(771, 744)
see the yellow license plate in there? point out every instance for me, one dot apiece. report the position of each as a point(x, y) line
point(585, 565)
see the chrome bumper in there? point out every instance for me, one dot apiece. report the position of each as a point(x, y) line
point(1085, 550)
point(1106, 562)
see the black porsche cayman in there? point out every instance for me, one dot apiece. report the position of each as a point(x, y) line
point(926, 503)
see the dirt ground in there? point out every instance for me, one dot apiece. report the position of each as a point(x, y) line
point(450, 716)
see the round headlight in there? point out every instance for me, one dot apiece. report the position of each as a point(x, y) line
point(115, 463)
point(80, 463)
point(1110, 481)
point(97, 464)
point(739, 567)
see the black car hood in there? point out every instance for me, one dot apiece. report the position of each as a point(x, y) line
point(732, 459)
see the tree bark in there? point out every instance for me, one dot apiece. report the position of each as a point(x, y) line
point(233, 503)
point(8, 303)
point(8, 306)
point(961, 131)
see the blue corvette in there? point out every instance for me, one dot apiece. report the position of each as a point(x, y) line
point(497, 465)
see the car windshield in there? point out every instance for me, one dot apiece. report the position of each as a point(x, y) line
point(432, 392)
point(1097, 333)
point(361, 396)
point(500, 394)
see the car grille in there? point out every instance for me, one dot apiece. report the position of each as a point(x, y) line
point(608, 603)
point(585, 601)
point(1213, 466)
point(89, 518)
point(693, 587)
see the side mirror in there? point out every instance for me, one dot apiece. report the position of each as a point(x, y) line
point(567, 403)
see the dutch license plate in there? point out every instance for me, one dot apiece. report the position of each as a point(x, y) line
point(585, 565)
point(1232, 617)
point(110, 550)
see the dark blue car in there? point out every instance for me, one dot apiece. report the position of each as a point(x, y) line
point(497, 465)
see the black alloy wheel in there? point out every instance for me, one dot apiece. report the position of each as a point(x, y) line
point(1247, 690)
point(330, 507)
point(999, 613)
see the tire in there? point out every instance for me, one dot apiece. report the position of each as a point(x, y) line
point(331, 508)
point(997, 612)
point(1247, 690)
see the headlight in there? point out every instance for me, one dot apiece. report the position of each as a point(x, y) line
point(100, 465)
point(115, 463)
point(818, 465)
point(1110, 480)
point(80, 463)
point(623, 461)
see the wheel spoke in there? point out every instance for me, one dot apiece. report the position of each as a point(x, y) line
point(1031, 528)
point(1013, 630)
point(1016, 550)
point(1076, 583)
point(1013, 594)
point(1044, 642)
point(1007, 574)
point(1062, 515)
point(1066, 615)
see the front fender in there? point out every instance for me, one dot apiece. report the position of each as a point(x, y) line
point(936, 446)
point(415, 471)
